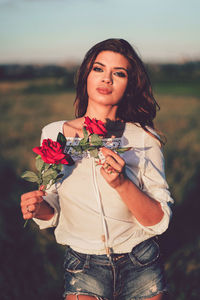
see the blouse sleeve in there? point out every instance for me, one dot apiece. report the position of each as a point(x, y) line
point(154, 182)
point(51, 198)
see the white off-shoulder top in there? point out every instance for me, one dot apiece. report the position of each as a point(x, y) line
point(86, 207)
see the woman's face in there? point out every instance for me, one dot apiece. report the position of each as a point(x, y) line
point(108, 79)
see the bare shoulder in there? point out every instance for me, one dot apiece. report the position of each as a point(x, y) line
point(73, 128)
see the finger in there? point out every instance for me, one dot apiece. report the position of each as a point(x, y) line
point(109, 173)
point(31, 201)
point(107, 152)
point(32, 194)
point(32, 208)
point(107, 168)
point(29, 208)
point(113, 163)
point(42, 188)
point(28, 216)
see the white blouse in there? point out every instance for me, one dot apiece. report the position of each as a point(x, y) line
point(87, 207)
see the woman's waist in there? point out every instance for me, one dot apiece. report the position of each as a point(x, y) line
point(116, 250)
point(91, 241)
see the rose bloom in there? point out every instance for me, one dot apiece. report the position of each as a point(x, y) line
point(95, 126)
point(52, 153)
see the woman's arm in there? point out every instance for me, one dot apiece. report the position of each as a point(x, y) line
point(146, 210)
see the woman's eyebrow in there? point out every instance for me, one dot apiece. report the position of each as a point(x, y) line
point(116, 68)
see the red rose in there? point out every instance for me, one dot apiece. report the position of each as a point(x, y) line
point(52, 153)
point(95, 126)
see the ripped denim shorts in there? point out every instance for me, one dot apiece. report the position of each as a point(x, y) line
point(135, 275)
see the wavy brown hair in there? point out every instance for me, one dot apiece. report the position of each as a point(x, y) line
point(138, 104)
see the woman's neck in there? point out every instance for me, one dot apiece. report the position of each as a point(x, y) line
point(101, 112)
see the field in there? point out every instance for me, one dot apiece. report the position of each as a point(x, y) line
point(31, 266)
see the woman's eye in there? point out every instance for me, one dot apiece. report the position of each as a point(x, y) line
point(97, 69)
point(120, 74)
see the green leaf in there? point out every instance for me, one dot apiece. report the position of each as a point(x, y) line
point(50, 172)
point(85, 147)
point(49, 176)
point(46, 180)
point(91, 148)
point(85, 133)
point(46, 167)
point(94, 153)
point(39, 163)
point(58, 168)
point(30, 176)
point(122, 150)
point(96, 140)
point(83, 142)
point(77, 149)
point(61, 139)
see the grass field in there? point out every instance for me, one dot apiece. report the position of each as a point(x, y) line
point(27, 106)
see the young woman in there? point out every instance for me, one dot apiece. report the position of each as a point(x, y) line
point(109, 215)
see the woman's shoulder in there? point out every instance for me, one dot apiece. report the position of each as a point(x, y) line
point(134, 129)
point(51, 130)
point(142, 135)
point(57, 125)
point(70, 128)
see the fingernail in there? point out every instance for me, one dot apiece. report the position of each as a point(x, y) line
point(42, 188)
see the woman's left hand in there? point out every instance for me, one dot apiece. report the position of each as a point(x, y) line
point(112, 169)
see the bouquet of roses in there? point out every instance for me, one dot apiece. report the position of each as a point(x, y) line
point(93, 131)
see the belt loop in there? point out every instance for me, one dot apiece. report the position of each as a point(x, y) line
point(87, 261)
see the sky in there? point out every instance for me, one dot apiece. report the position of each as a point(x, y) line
point(62, 31)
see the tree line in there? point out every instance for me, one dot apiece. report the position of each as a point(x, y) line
point(170, 72)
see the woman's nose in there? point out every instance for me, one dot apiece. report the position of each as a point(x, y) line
point(107, 78)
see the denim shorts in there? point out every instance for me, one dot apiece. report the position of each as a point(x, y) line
point(135, 275)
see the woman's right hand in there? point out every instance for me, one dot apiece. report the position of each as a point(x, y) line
point(31, 203)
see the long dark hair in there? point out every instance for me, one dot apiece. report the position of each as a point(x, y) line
point(138, 104)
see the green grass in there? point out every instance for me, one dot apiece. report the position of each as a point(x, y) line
point(185, 89)
point(23, 116)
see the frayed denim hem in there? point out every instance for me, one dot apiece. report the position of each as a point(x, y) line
point(164, 291)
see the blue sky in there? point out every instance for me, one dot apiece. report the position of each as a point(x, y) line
point(50, 31)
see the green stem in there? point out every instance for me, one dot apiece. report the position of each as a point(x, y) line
point(25, 223)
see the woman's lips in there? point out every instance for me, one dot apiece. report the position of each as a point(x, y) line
point(104, 91)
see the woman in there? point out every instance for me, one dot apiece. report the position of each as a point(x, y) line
point(109, 215)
